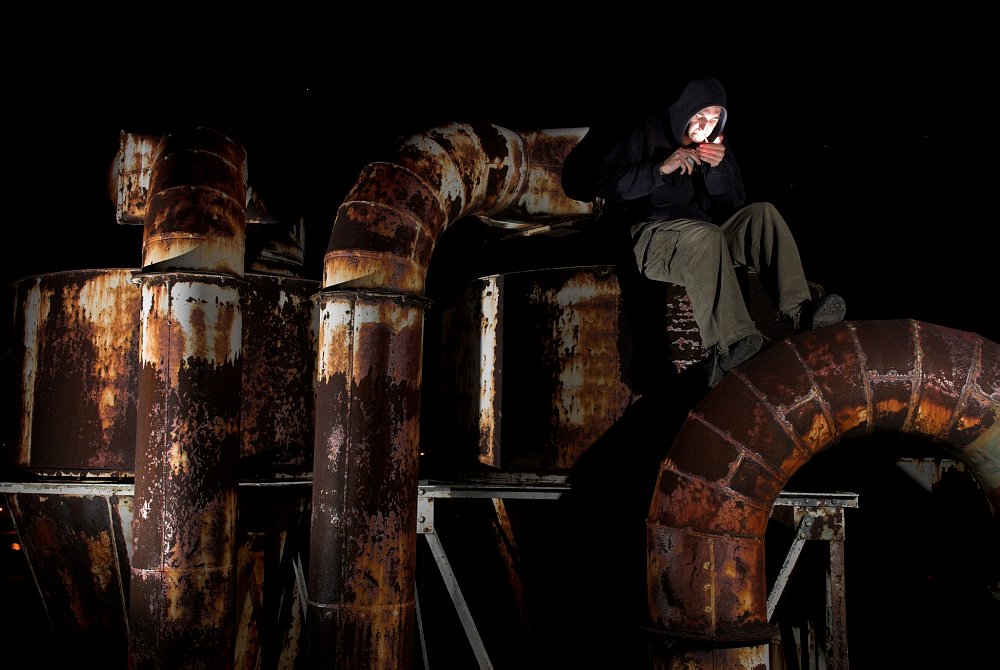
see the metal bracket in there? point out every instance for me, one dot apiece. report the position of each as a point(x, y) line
point(494, 488)
point(819, 517)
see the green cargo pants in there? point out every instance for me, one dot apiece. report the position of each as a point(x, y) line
point(701, 256)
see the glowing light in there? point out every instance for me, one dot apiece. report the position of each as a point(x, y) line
point(15, 546)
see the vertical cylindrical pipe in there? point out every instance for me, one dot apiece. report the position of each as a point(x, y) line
point(182, 586)
point(363, 536)
point(196, 213)
point(187, 451)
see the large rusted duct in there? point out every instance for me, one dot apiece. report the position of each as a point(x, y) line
point(388, 224)
point(363, 536)
point(742, 442)
point(182, 586)
point(196, 211)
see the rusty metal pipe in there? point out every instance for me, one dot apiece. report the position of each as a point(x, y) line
point(196, 211)
point(363, 538)
point(182, 586)
point(741, 444)
point(387, 226)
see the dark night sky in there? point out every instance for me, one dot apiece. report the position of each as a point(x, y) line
point(851, 133)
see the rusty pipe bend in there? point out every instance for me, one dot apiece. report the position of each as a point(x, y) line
point(741, 444)
point(387, 226)
point(369, 367)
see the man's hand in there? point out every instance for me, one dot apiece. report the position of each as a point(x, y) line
point(684, 159)
point(711, 153)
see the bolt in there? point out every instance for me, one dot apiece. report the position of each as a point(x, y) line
point(421, 518)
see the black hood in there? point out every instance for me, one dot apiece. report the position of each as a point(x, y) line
point(697, 95)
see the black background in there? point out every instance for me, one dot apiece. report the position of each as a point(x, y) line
point(871, 137)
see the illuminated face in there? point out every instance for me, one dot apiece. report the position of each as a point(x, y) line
point(703, 123)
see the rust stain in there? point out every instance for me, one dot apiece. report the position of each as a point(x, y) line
point(100, 300)
point(36, 312)
point(77, 369)
point(134, 168)
point(849, 417)
point(932, 418)
point(101, 557)
point(891, 406)
point(184, 320)
point(362, 269)
point(277, 414)
point(819, 434)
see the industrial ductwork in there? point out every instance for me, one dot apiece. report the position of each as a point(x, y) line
point(188, 404)
point(363, 535)
point(742, 442)
point(716, 486)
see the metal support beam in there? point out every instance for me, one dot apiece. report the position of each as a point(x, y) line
point(818, 517)
point(497, 489)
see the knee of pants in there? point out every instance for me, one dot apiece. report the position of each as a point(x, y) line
point(707, 239)
point(768, 215)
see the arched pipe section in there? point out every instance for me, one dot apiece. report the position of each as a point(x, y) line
point(741, 444)
point(361, 567)
point(387, 226)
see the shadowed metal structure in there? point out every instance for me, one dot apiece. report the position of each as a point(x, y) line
point(183, 588)
point(210, 401)
point(361, 575)
point(742, 442)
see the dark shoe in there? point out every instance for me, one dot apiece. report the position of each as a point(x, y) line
point(741, 350)
point(713, 373)
point(717, 365)
point(830, 309)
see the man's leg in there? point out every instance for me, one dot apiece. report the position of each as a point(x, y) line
point(694, 254)
point(759, 238)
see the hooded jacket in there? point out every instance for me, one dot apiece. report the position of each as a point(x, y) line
point(628, 175)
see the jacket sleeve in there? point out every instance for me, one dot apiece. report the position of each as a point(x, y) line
point(629, 170)
point(724, 184)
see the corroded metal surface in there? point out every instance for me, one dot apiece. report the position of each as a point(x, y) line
point(77, 547)
point(363, 535)
point(387, 226)
point(77, 538)
point(382, 238)
point(543, 197)
point(270, 589)
point(768, 417)
point(586, 352)
point(75, 345)
point(277, 416)
point(77, 337)
point(754, 657)
point(128, 178)
point(567, 324)
point(187, 448)
point(196, 214)
point(472, 359)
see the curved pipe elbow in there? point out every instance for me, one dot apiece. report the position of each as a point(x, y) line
point(741, 444)
point(388, 224)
